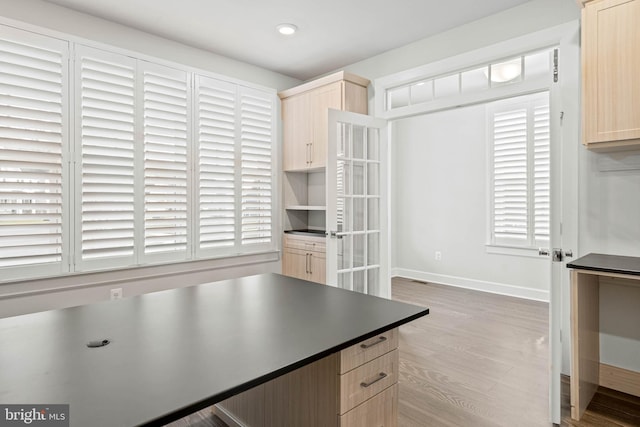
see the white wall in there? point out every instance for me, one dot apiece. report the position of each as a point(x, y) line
point(520, 20)
point(57, 18)
point(610, 223)
point(48, 294)
point(441, 204)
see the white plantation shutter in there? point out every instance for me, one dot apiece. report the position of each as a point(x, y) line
point(216, 163)
point(160, 164)
point(510, 175)
point(105, 152)
point(33, 123)
point(520, 170)
point(166, 130)
point(256, 128)
point(541, 171)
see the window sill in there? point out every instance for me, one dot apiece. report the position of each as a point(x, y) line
point(80, 280)
point(512, 250)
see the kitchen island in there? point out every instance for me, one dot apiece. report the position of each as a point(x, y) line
point(175, 352)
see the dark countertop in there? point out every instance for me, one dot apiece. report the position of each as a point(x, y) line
point(607, 263)
point(178, 351)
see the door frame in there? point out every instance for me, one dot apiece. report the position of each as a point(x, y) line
point(565, 131)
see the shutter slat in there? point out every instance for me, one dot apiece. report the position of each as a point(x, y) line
point(510, 174)
point(515, 172)
point(106, 121)
point(165, 160)
point(256, 167)
point(216, 163)
point(32, 85)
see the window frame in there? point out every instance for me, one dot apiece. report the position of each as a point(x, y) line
point(72, 263)
point(505, 245)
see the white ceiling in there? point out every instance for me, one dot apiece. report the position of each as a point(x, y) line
point(332, 33)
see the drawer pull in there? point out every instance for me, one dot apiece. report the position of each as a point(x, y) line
point(381, 376)
point(380, 340)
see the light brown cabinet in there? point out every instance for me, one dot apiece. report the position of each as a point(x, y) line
point(296, 127)
point(610, 83)
point(305, 126)
point(356, 387)
point(305, 114)
point(304, 257)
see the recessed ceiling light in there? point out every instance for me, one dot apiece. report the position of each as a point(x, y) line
point(287, 29)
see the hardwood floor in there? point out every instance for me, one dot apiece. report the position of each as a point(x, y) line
point(478, 360)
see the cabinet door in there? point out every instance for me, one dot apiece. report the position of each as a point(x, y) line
point(296, 133)
point(318, 267)
point(295, 263)
point(611, 60)
point(322, 99)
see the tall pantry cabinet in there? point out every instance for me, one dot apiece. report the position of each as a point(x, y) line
point(305, 134)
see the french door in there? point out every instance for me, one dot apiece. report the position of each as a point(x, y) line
point(357, 207)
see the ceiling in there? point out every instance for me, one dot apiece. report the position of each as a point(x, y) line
point(331, 35)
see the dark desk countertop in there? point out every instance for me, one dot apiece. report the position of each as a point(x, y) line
point(608, 264)
point(178, 351)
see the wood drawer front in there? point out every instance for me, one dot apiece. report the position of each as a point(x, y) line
point(367, 350)
point(379, 411)
point(314, 244)
point(364, 382)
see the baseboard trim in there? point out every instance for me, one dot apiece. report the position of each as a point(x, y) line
point(620, 379)
point(476, 285)
point(225, 416)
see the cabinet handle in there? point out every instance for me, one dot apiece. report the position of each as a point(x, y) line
point(306, 154)
point(311, 152)
point(306, 263)
point(310, 264)
point(380, 340)
point(381, 376)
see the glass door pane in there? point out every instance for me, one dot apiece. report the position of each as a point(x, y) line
point(355, 196)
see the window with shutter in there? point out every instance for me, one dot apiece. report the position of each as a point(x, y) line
point(166, 130)
point(33, 142)
point(520, 184)
point(161, 164)
point(216, 163)
point(105, 138)
point(256, 124)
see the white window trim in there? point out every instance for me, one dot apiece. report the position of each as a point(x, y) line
point(544, 39)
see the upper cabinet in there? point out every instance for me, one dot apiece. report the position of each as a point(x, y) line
point(610, 82)
point(305, 114)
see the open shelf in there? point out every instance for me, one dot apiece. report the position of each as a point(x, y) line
point(305, 208)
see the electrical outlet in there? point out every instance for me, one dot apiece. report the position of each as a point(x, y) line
point(438, 256)
point(116, 293)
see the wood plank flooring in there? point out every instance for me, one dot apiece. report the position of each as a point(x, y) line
point(478, 360)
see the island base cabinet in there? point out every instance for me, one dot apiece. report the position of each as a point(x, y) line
point(379, 411)
point(331, 392)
